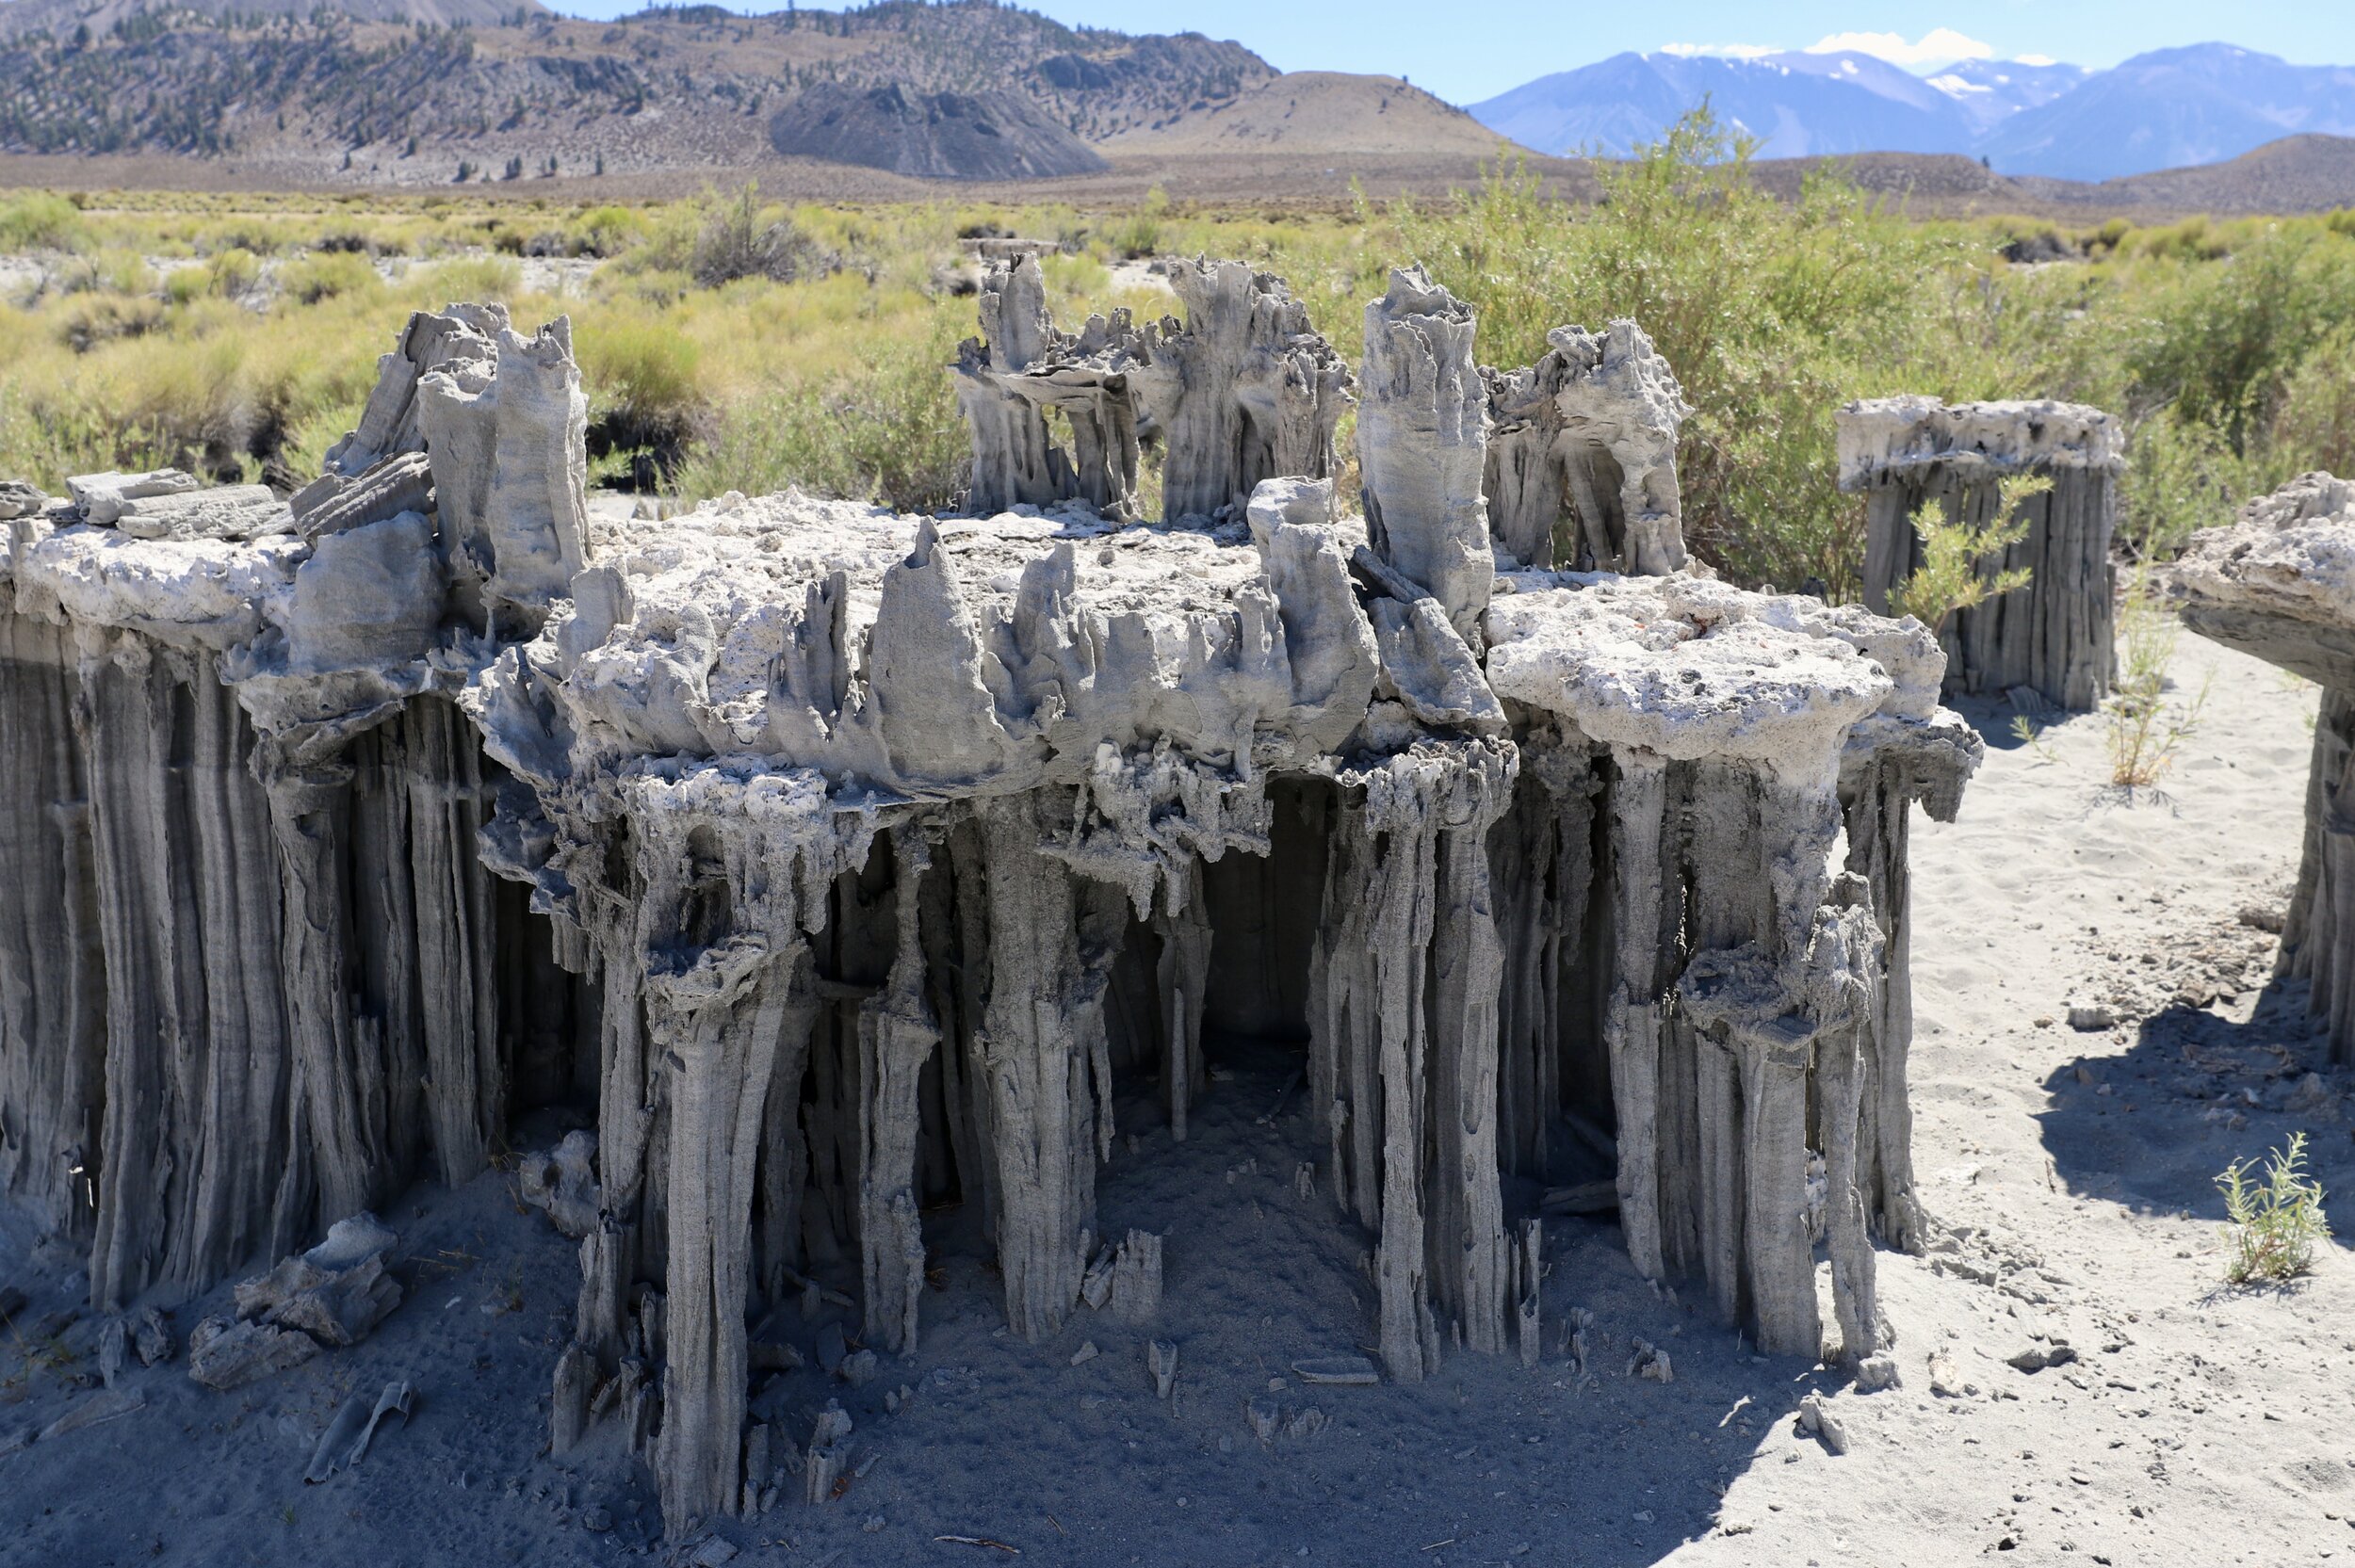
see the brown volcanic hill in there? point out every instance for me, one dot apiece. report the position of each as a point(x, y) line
point(59, 18)
point(323, 97)
point(2299, 174)
point(941, 136)
point(1319, 112)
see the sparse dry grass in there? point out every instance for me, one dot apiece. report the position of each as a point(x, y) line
point(2146, 730)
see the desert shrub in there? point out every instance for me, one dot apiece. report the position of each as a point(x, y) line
point(2106, 239)
point(885, 431)
point(95, 317)
point(738, 239)
point(2224, 342)
point(641, 374)
point(40, 221)
point(2193, 239)
point(303, 444)
point(187, 397)
point(2274, 1224)
point(111, 270)
point(484, 278)
point(2181, 476)
point(324, 275)
point(606, 231)
point(234, 274)
point(2314, 417)
point(1142, 232)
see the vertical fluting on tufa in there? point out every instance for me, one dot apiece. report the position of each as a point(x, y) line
point(1422, 447)
point(507, 436)
point(1246, 391)
point(1020, 370)
point(1582, 458)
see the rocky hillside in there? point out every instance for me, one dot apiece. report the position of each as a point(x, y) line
point(1329, 113)
point(425, 91)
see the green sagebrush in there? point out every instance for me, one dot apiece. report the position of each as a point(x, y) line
point(2274, 1224)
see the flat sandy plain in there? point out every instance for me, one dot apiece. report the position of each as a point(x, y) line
point(2309, 174)
point(2067, 1173)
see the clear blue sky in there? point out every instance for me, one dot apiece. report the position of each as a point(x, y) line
point(1465, 50)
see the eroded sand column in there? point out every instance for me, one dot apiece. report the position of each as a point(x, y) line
point(2054, 636)
point(2280, 583)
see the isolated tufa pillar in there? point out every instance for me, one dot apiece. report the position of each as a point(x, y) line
point(2280, 583)
point(1421, 444)
point(2054, 635)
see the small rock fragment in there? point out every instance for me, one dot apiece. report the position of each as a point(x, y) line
point(114, 1348)
point(151, 1337)
point(829, 1450)
point(346, 1441)
point(1086, 1352)
point(1650, 1362)
point(222, 1356)
point(1876, 1372)
point(1344, 1371)
point(563, 1181)
point(767, 1355)
point(757, 1468)
point(568, 1408)
point(1136, 1281)
point(2088, 1016)
point(1162, 1355)
point(2036, 1358)
point(1816, 1419)
point(19, 498)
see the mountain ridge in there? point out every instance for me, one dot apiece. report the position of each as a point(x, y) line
point(2161, 109)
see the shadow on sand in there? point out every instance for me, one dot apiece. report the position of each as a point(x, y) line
point(2149, 1128)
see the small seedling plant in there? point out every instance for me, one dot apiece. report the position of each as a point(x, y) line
point(2273, 1225)
point(1960, 568)
point(2145, 730)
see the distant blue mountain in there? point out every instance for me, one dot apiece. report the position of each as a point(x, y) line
point(2170, 108)
point(1797, 104)
point(1989, 91)
point(2164, 109)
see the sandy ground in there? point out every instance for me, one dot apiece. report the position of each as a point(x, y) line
point(2069, 1173)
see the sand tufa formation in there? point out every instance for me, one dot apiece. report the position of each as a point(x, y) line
point(2056, 635)
point(847, 860)
point(2280, 583)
